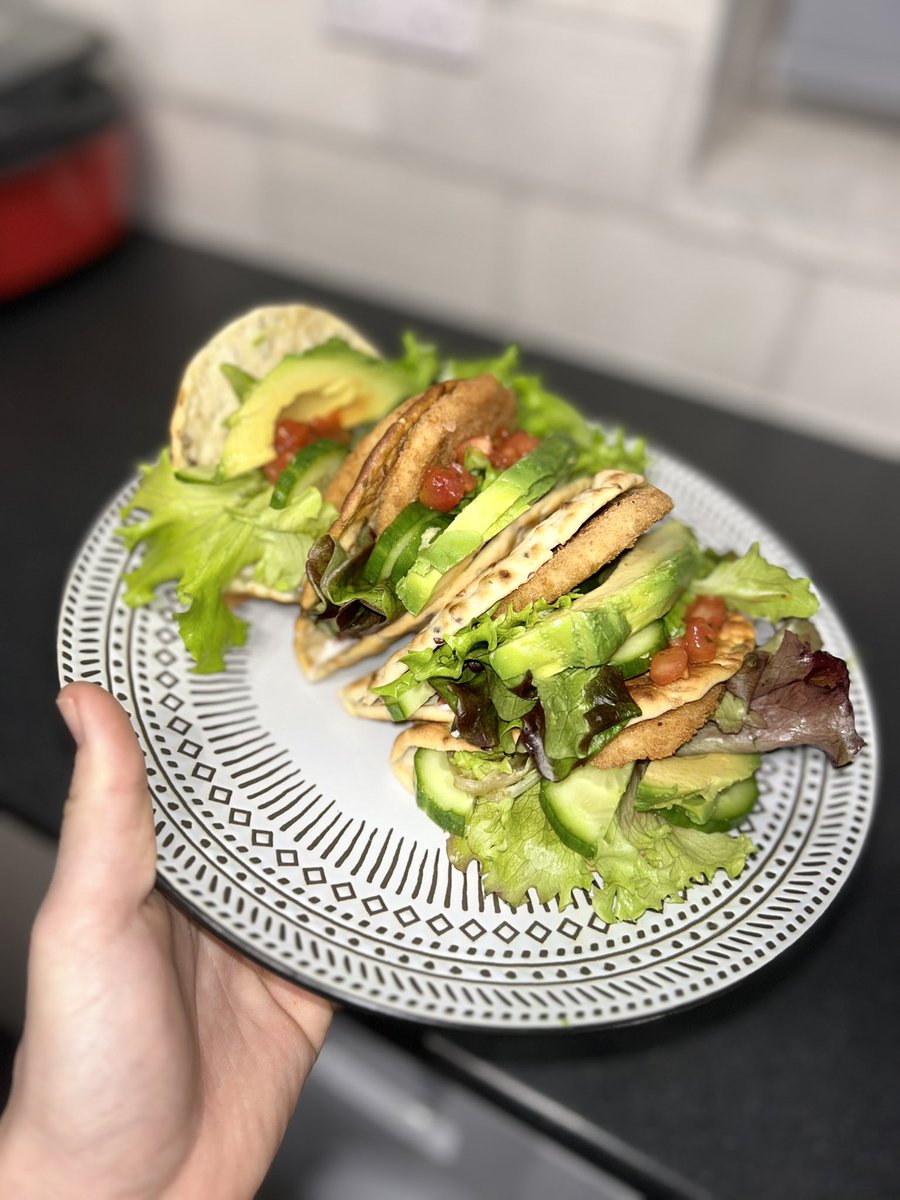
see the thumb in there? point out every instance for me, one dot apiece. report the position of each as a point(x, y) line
point(107, 848)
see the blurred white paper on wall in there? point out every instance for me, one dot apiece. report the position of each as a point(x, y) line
point(451, 29)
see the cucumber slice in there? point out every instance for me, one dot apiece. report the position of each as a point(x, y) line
point(581, 806)
point(311, 467)
point(437, 793)
point(398, 546)
point(410, 700)
point(731, 807)
point(633, 656)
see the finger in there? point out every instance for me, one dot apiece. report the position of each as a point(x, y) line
point(107, 848)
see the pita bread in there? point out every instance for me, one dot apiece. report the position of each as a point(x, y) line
point(255, 342)
point(422, 736)
point(543, 552)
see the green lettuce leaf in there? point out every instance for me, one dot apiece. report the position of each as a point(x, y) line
point(730, 713)
point(203, 535)
point(419, 360)
point(476, 764)
point(756, 587)
point(542, 413)
point(502, 366)
point(474, 642)
point(643, 860)
point(517, 849)
point(580, 703)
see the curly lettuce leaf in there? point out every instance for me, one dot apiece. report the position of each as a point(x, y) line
point(419, 361)
point(643, 861)
point(345, 596)
point(794, 697)
point(502, 366)
point(473, 643)
point(541, 413)
point(476, 764)
point(758, 588)
point(579, 704)
point(517, 849)
point(201, 536)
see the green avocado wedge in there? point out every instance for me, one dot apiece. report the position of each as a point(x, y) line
point(693, 784)
point(642, 588)
point(501, 503)
point(329, 378)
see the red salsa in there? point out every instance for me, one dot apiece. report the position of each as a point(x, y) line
point(443, 487)
point(702, 622)
point(291, 436)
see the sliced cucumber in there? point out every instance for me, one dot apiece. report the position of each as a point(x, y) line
point(311, 467)
point(633, 656)
point(398, 546)
point(731, 806)
point(409, 700)
point(581, 806)
point(437, 793)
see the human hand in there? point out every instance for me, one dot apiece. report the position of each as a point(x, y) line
point(155, 1062)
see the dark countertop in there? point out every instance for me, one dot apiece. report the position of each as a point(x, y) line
point(787, 1086)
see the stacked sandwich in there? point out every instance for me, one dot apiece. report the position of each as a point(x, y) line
point(583, 698)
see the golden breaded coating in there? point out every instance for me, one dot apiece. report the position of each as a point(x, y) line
point(661, 736)
point(607, 535)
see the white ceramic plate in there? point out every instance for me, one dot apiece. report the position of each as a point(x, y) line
point(281, 827)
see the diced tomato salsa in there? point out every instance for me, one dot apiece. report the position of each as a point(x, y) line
point(291, 436)
point(443, 487)
point(702, 622)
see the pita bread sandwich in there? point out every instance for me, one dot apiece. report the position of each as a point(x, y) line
point(600, 723)
point(273, 419)
point(443, 494)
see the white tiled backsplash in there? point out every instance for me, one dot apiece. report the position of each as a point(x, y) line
point(549, 190)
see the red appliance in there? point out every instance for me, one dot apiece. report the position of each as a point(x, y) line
point(65, 152)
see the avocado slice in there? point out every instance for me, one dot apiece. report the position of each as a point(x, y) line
point(642, 587)
point(731, 806)
point(693, 784)
point(501, 503)
point(329, 377)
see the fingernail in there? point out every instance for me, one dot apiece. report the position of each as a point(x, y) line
point(69, 710)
